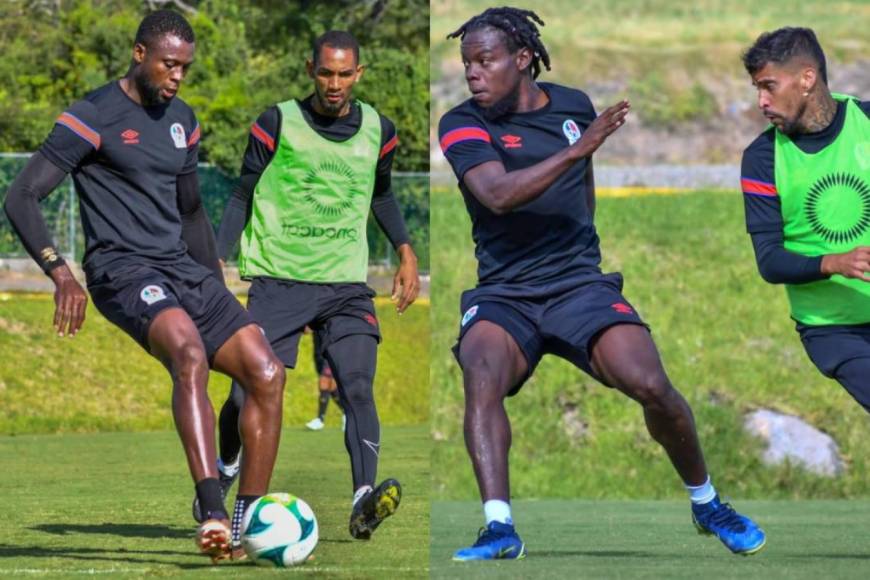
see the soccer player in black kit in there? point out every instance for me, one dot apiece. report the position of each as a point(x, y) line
point(521, 151)
point(150, 260)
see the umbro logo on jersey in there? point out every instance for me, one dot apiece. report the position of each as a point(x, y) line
point(130, 137)
point(512, 141)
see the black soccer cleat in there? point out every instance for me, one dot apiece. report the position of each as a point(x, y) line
point(226, 482)
point(374, 507)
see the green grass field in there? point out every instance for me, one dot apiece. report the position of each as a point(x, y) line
point(614, 37)
point(655, 539)
point(101, 380)
point(726, 340)
point(118, 505)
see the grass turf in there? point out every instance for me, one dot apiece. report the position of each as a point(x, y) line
point(726, 341)
point(118, 505)
point(656, 539)
point(101, 380)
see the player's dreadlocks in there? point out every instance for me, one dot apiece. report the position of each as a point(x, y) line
point(519, 30)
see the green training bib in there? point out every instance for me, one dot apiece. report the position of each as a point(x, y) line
point(825, 200)
point(311, 204)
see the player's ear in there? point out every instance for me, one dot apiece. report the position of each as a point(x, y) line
point(360, 69)
point(809, 78)
point(309, 67)
point(523, 59)
point(139, 52)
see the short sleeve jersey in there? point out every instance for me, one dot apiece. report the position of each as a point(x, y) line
point(758, 176)
point(125, 159)
point(551, 241)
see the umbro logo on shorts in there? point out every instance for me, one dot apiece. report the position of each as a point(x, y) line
point(151, 294)
point(469, 314)
point(370, 319)
point(512, 141)
point(622, 308)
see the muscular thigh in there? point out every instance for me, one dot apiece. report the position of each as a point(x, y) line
point(488, 354)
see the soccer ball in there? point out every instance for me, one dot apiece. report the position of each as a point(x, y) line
point(279, 530)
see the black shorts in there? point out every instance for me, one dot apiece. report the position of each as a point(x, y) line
point(830, 346)
point(131, 297)
point(564, 324)
point(283, 308)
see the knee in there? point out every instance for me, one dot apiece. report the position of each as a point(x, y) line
point(357, 389)
point(187, 360)
point(654, 390)
point(482, 382)
point(266, 378)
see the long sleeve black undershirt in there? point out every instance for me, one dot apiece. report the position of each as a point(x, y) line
point(779, 266)
point(196, 230)
point(40, 177)
point(35, 182)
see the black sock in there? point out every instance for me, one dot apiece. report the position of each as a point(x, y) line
point(322, 402)
point(242, 503)
point(336, 399)
point(208, 491)
point(228, 423)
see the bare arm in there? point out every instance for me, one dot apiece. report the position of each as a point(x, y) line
point(501, 191)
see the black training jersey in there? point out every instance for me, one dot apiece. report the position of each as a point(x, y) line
point(758, 177)
point(551, 241)
point(125, 159)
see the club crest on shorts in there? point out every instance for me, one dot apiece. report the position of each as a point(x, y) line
point(469, 314)
point(151, 294)
point(178, 137)
point(571, 131)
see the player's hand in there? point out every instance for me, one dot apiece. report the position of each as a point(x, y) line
point(406, 282)
point(70, 302)
point(611, 119)
point(853, 264)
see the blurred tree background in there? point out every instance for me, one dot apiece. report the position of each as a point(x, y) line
point(250, 55)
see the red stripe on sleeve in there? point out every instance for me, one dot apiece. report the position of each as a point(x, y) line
point(389, 146)
point(263, 137)
point(754, 187)
point(463, 134)
point(76, 126)
point(194, 137)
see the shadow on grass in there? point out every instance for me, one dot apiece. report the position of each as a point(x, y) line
point(124, 530)
point(596, 554)
point(146, 557)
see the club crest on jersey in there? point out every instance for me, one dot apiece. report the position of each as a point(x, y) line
point(571, 131)
point(469, 314)
point(178, 136)
point(151, 294)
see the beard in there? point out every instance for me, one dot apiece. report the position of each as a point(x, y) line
point(149, 92)
point(506, 105)
point(793, 127)
point(331, 108)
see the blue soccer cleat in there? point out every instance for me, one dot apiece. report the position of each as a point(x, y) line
point(497, 541)
point(739, 534)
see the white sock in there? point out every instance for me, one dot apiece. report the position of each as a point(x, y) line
point(496, 510)
point(703, 493)
point(230, 469)
point(358, 494)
